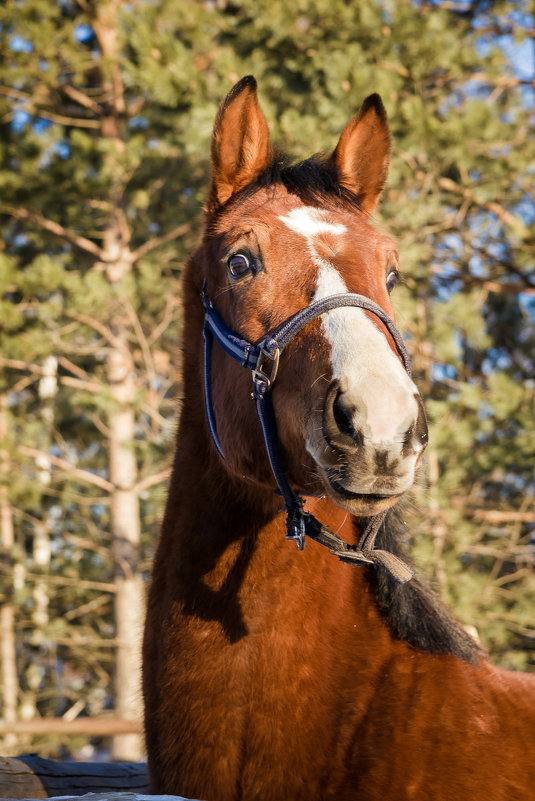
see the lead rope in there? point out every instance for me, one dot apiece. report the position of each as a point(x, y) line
point(299, 524)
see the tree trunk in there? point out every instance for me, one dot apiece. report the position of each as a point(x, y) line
point(125, 527)
point(125, 517)
point(9, 674)
point(10, 685)
point(47, 389)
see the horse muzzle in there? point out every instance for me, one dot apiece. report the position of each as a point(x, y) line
point(368, 463)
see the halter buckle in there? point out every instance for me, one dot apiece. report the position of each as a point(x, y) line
point(258, 372)
point(298, 533)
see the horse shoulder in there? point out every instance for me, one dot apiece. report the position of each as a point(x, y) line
point(440, 728)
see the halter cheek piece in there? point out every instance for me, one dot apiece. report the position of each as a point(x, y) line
point(263, 361)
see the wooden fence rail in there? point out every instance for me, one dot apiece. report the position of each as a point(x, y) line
point(94, 727)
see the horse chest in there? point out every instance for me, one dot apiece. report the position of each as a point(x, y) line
point(279, 685)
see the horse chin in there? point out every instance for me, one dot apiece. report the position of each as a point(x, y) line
point(362, 504)
point(352, 490)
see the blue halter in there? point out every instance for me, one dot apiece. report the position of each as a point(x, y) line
point(263, 361)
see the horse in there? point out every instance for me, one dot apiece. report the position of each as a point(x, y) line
point(272, 672)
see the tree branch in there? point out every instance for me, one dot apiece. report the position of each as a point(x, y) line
point(19, 364)
point(143, 344)
point(90, 606)
point(171, 303)
point(98, 327)
point(150, 481)
point(9, 91)
point(63, 119)
point(499, 516)
point(73, 368)
point(76, 472)
point(60, 119)
point(493, 206)
point(152, 244)
point(507, 289)
point(66, 581)
point(81, 98)
point(55, 228)
point(77, 383)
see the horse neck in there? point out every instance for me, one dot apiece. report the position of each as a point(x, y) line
point(228, 535)
point(223, 531)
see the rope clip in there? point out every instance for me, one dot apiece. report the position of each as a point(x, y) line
point(258, 372)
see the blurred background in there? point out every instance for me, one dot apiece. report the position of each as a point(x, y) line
point(106, 109)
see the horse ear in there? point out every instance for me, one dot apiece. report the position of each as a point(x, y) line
point(362, 154)
point(239, 142)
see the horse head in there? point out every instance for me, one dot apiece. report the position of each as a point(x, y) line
point(350, 420)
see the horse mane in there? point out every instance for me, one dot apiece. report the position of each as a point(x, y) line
point(412, 610)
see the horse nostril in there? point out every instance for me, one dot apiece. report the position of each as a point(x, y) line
point(343, 416)
point(420, 429)
point(338, 420)
point(415, 439)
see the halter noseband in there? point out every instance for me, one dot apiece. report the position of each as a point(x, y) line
point(255, 358)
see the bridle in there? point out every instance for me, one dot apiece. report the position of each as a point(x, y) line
point(256, 358)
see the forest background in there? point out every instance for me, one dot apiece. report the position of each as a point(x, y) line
point(106, 109)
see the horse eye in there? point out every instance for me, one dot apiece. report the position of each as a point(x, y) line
point(238, 265)
point(392, 280)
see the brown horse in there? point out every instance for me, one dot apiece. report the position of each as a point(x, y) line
point(271, 673)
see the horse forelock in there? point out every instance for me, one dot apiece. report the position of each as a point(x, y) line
point(314, 181)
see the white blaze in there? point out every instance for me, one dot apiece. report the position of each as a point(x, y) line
point(309, 222)
point(371, 377)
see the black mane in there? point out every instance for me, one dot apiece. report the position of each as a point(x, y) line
point(412, 610)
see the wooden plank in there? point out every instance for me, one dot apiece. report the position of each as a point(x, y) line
point(31, 777)
point(95, 727)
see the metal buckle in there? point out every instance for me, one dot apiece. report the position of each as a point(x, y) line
point(299, 534)
point(259, 374)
